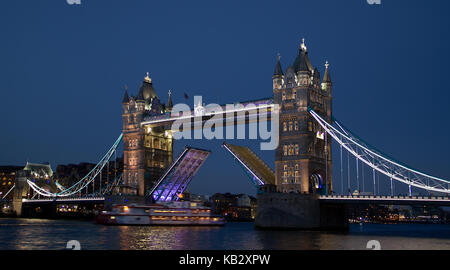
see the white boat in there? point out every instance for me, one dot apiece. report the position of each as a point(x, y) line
point(167, 213)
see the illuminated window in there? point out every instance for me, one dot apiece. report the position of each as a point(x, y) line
point(156, 143)
point(284, 126)
point(285, 150)
point(296, 125)
point(320, 135)
point(291, 149)
point(285, 167)
point(294, 94)
point(290, 125)
point(296, 149)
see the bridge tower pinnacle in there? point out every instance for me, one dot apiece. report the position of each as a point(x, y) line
point(303, 157)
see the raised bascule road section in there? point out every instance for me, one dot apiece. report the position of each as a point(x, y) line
point(257, 170)
point(177, 177)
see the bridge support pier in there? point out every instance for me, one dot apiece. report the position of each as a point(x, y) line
point(298, 211)
point(19, 192)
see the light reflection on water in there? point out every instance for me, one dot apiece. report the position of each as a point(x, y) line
point(54, 234)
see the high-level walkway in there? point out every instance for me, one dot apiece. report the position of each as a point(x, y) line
point(258, 171)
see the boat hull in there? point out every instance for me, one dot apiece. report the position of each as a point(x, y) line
point(143, 220)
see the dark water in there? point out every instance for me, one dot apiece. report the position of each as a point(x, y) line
point(54, 234)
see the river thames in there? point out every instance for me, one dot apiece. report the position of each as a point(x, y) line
point(39, 234)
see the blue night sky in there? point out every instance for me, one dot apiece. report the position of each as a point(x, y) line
point(63, 68)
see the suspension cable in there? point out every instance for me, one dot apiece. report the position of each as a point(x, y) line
point(381, 163)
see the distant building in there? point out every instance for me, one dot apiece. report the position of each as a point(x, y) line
point(39, 171)
point(234, 207)
point(7, 179)
point(41, 175)
point(203, 199)
point(69, 174)
point(243, 200)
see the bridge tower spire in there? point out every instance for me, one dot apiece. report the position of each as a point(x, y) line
point(303, 157)
point(278, 75)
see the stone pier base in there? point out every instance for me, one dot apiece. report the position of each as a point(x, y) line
point(298, 211)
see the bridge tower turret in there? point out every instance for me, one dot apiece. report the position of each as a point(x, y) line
point(278, 75)
point(133, 137)
point(303, 157)
point(148, 149)
point(327, 87)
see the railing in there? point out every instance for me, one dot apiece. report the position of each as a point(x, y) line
point(384, 197)
point(65, 199)
point(85, 181)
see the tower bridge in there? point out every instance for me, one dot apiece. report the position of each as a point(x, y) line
point(301, 194)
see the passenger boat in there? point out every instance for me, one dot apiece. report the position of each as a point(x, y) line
point(167, 213)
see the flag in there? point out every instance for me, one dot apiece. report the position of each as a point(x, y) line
point(186, 96)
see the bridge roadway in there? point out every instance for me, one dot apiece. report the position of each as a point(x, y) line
point(388, 200)
point(334, 199)
point(65, 200)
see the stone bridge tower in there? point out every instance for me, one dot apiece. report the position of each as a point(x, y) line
point(147, 150)
point(303, 157)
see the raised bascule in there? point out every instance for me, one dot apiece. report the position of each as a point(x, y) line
point(298, 193)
